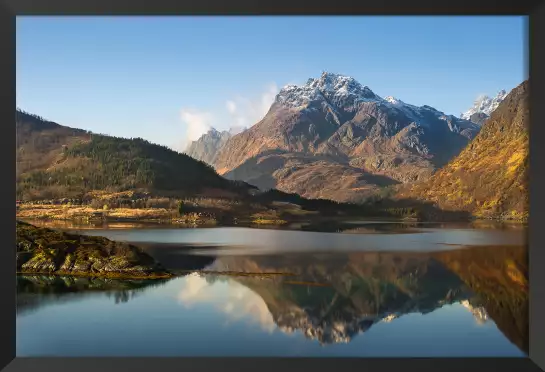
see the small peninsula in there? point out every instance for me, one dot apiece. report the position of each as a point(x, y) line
point(46, 251)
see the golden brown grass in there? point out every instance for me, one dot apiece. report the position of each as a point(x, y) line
point(489, 177)
point(261, 221)
point(64, 212)
point(267, 218)
point(106, 195)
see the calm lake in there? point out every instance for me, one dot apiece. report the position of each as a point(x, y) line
point(369, 289)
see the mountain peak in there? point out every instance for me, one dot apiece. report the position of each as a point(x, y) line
point(329, 85)
point(207, 147)
point(485, 105)
point(393, 100)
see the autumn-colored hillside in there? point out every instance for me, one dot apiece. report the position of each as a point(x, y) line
point(55, 161)
point(489, 177)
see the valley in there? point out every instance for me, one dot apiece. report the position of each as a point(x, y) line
point(271, 186)
point(332, 145)
point(335, 139)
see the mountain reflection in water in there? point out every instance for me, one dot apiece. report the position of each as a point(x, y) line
point(327, 297)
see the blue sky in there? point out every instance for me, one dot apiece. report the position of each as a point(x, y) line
point(167, 79)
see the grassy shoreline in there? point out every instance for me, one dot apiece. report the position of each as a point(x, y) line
point(89, 215)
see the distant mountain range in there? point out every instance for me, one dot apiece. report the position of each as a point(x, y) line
point(335, 138)
point(331, 138)
point(207, 147)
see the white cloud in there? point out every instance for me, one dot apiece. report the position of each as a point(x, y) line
point(267, 98)
point(242, 112)
point(245, 111)
point(197, 123)
point(231, 107)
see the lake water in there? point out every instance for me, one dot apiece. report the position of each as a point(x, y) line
point(352, 289)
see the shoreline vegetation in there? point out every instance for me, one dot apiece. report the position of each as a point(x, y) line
point(267, 208)
point(229, 212)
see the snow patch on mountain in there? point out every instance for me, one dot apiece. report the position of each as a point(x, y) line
point(484, 104)
point(328, 86)
point(394, 101)
point(337, 91)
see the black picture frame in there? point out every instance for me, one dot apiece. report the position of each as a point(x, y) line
point(536, 61)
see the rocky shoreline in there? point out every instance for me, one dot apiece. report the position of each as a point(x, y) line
point(46, 251)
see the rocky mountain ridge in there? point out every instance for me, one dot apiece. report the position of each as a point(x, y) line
point(206, 148)
point(336, 122)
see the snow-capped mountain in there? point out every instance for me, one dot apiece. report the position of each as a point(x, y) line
point(329, 87)
point(341, 93)
point(484, 105)
point(334, 128)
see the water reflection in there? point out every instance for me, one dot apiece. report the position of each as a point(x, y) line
point(36, 291)
point(366, 288)
point(93, 224)
point(327, 298)
point(244, 241)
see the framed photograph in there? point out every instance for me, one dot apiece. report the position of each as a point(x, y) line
point(214, 186)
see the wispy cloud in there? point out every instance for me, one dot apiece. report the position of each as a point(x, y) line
point(231, 107)
point(242, 112)
point(245, 111)
point(196, 123)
